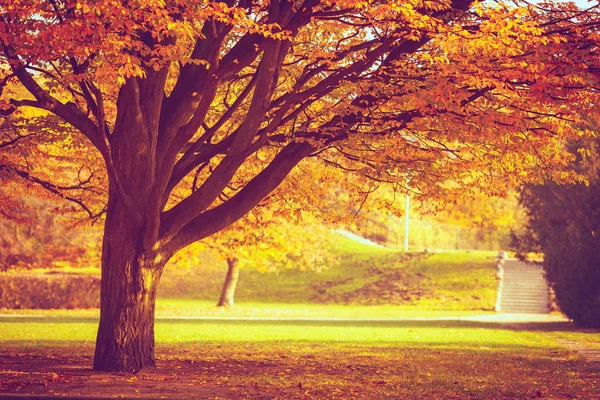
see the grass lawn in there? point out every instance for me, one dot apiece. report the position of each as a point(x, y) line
point(365, 275)
point(317, 359)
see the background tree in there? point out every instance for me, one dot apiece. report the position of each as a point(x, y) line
point(269, 242)
point(564, 221)
point(226, 98)
point(35, 236)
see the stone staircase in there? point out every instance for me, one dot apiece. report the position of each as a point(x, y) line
point(525, 289)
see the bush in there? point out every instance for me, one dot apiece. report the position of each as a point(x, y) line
point(49, 291)
point(564, 223)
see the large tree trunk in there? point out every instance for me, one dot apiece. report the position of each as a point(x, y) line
point(125, 340)
point(231, 279)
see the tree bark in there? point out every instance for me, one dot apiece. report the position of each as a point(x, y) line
point(231, 279)
point(125, 340)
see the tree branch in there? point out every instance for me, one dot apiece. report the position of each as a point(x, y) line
point(68, 112)
point(260, 186)
point(52, 188)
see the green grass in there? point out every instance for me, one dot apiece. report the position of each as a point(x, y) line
point(358, 359)
point(457, 280)
point(167, 307)
point(427, 333)
point(206, 308)
point(449, 334)
point(460, 280)
point(365, 275)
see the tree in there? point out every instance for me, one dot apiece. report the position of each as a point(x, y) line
point(269, 239)
point(563, 224)
point(230, 283)
point(226, 98)
point(36, 237)
point(277, 244)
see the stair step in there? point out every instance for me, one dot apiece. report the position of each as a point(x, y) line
point(535, 278)
point(525, 289)
point(520, 279)
point(517, 279)
point(525, 284)
point(525, 293)
point(509, 296)
point(525, 301)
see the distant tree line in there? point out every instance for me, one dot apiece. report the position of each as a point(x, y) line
point(34, 237)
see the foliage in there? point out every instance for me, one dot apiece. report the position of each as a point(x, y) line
point(266, 242)
point(475, 221)
point(429, 233)
point(441, 85)
point(484, 212)
point(35, 237)
point(68, 175)
point(563, 224)
point(49, 291)
point(482, 221)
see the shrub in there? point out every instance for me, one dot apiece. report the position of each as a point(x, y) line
point(564, 223)
point(49, 291)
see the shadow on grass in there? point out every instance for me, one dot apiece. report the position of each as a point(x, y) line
point(400, 373)
point(260, 352)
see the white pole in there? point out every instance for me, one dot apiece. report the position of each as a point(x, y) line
point(406, 223)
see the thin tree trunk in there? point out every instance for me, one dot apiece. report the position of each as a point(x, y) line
point(125, 340)
point(231, 279)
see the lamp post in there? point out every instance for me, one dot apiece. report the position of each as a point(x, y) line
point(406, 222)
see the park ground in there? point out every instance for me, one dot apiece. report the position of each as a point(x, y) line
point(327, 336)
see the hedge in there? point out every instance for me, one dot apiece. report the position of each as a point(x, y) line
point(49, 291)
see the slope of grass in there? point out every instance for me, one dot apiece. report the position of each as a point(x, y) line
point(365, 275)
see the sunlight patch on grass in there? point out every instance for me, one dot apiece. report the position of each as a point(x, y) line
point(447, 334)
